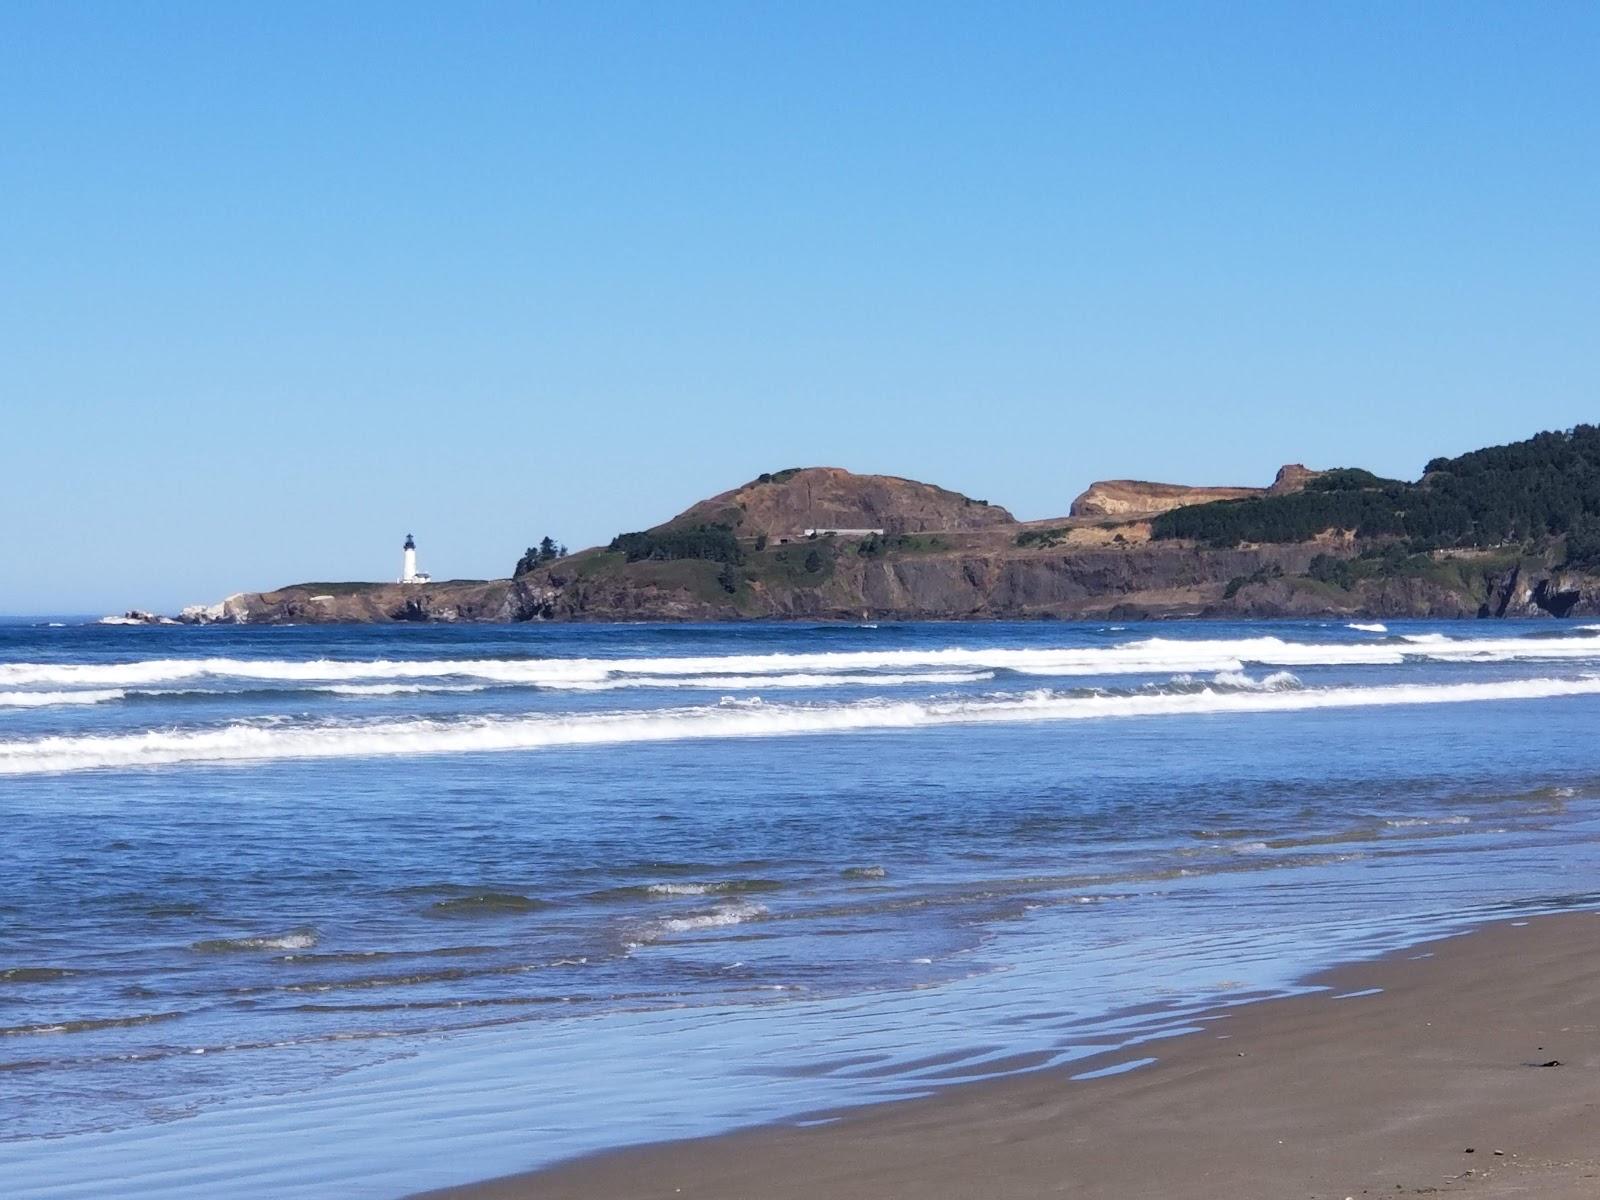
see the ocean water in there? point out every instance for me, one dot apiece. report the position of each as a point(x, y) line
point(299, 912)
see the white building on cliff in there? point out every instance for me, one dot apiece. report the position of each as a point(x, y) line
point(408, 564)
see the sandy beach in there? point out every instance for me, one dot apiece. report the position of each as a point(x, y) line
point(1465, 1066)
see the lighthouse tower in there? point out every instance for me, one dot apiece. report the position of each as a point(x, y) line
point(408, 564)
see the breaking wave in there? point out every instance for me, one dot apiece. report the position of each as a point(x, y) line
point(720, 887)
point(1368, 627)
point(1278, 681)
point(728, 914)
point(873, 872)
point(798, 680)
point(821, 668)
point(295, 939)
point(255, 742)
point(49, 699)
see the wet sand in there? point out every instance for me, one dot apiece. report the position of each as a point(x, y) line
point(1436, 1083)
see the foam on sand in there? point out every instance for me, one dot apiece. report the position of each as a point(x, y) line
point(257, 742)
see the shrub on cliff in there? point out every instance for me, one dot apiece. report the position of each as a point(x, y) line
point(1583, 544)
point(1325, 568)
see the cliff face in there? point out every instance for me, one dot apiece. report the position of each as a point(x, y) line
point(975, 582)
point(323, 603)
point(1136, 497)
point(1291, 477)
point(1131, 581)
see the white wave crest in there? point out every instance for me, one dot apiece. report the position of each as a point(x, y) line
point(48, 699)
point(811, 669)
point(398, 689)
point(728, 914)
point(1276, 682)
point(254, 742)
point(798, 680)
point(298, 939)
point(1368, 627)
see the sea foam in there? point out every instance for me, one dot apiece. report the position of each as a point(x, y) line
point(258, 741)
point(729, 914)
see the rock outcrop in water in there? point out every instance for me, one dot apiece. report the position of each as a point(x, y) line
point(823, 543)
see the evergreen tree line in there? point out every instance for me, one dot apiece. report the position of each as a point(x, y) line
point(1544, 487)
point(714, 543)
point(547, 551)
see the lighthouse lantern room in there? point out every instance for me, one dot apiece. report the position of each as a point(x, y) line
point(408, 564)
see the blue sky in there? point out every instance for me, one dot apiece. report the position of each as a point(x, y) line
point(279, 283)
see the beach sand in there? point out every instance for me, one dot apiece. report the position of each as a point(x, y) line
point(1432, 1085)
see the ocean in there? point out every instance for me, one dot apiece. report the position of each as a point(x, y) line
point(308, 911)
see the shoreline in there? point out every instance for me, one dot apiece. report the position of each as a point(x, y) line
point(1417, 1072)
point(1144, 617)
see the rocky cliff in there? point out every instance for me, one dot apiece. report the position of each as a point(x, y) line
point(1136, 497)
point(830, 578)
point(946, 556)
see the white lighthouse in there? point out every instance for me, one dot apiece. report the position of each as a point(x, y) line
point(408, 564)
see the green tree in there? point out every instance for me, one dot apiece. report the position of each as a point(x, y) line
point(728, 577)
point(715, 543)
point(1530, 490)
point(1583, 544)
point(547, 551)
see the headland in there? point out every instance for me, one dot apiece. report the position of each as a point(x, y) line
point(1509, 531)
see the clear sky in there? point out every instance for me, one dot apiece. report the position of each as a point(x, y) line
point(282, 282)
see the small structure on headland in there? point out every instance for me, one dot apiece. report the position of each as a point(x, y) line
point(843, 533)
point(408, 564)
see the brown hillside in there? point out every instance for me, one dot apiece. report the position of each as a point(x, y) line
point(1135, 497)
point(788, 502)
